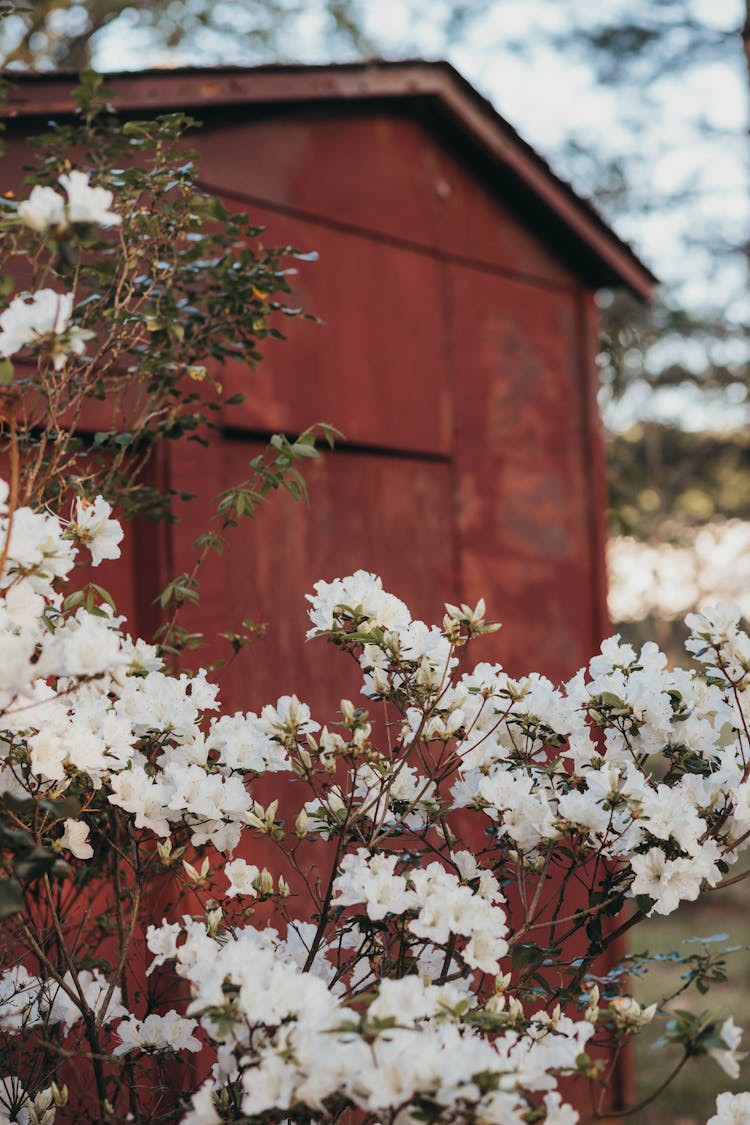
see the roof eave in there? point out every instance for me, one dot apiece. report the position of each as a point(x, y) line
point(606, 259)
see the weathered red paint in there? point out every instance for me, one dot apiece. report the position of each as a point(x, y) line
point(456, 353)
point(435, 91)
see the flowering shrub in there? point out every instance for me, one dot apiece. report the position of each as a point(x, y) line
point(134, 279)
point(340, 947)
point(137, 285)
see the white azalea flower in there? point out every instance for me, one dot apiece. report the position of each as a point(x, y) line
point(371, 880)
point(75, 839)
point(731, 1109)
point(13, 1095)
point(241, 876)
point(19, 999)
point(88, 204)
point(202, 1107)
point(360, 591)
point(43, 209)
point(728, 1058)
point(667, 881)
point(60, 1008)
point(93, 527)
point(170, 1032)
point(41, 318)
point(46, 208)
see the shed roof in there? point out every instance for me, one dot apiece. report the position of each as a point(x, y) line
point(433, 90)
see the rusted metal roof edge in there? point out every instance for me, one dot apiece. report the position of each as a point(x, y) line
point(192, 88)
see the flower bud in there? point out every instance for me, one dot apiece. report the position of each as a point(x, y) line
point(591, 1015)
point(304, 755)
point(167, 854)
point(534, 862)
point(628, 1014)
point(213, 921)
point(300, 824)
point(496, 1004)
point(263, 819)
point(348, 712)
point(43, 1100)
point(59, 1094)
point(263, 883)
point(195, 876)
point(40, 1111)
point(501, 983)
point(444, 830)
point(515, 1010)
point(380, 681)
point(284, 889)
point(360, 738)
point(452, 629)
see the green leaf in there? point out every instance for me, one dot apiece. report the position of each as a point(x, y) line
point(302, 449)
point(35, 863)
point(16, 838)
point(104, 595)
point(6, 372)
point(11, 898)
point(609, 699)
point(137, 128)
point(527, 953)
point(62, 808)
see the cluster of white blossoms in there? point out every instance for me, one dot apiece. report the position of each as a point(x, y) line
point(442, 905)
point(28, 1001)
point(288, 1040)
point(46, 208)
point(644, 767)
point(42, 320)
point(393, 984)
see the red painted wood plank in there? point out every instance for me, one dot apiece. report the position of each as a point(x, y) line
point(522, 461)
point(391, 515)
point(378, 170)
point(374, 367)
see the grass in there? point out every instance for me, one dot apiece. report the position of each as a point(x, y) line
point(691, 1099)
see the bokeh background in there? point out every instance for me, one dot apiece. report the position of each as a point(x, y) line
point(644, 105)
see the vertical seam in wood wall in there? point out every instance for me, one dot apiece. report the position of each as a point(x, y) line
point(451, 391)
point(594, 472)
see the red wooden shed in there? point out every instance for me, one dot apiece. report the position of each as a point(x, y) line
point(456, 282)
